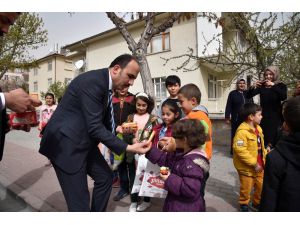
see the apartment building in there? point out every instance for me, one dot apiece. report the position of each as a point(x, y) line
point(51, 68)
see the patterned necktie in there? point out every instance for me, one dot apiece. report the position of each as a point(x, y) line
point(112, 121)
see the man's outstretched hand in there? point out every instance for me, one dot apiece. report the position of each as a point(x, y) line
point(19, 101)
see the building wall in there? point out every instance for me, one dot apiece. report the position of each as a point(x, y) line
point(61, 69)
point(101, 53)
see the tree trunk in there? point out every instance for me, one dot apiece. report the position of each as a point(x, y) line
point(146, 75)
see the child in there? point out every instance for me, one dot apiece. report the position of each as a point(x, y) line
point(249, 155)
point(188, 166)
point(123, 107)
point(281, 187)
point(170, 114)
point(173, 84)
point(146, 121)
point(46, 112)
point(189, 97)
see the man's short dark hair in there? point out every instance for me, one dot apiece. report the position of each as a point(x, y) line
point(291, 113)
point(191, 91)
point(172, 80)
point(248, 109)
point(122, 60)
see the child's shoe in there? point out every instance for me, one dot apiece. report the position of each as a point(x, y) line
point(254, 208)
point(132, 207)
point(244, 208)
point(142, 207)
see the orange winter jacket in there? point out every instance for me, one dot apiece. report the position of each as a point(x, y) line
point(200, 115)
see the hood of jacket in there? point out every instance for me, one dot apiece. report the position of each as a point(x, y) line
point(289, 148)
point(201, 108)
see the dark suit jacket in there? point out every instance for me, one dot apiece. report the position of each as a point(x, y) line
point(80, 122)
point(3, 127)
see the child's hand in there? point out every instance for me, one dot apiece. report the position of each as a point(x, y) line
point(140, 148)
point(168, 143)
point(119, 130)
point(258, 168)
point(164, 177)
point(268, 149)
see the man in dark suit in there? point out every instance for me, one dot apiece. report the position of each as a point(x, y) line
point(81, 121)
point(16, 100)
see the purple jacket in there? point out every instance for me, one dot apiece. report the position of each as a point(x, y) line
point(184, 183)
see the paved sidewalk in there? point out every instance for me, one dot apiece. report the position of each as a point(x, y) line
point(23, 172)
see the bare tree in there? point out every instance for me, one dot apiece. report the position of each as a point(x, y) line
point(264, 39)
point(139, 49)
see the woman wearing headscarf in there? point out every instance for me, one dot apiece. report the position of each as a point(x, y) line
point(236, 99)
point(272, 92)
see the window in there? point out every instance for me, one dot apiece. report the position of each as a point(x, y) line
point(160, 90)
point(67, 81)
point(49, 81)
point(35, 86)
point(160, 42)
point(50, 65)
point(35, 71)
point(213, 88)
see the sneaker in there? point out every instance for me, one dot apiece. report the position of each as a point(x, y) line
point(244, 208)
point(121, 194)
point(116, 183)
point(142, 207)
point(132, 207)
point(254, 208)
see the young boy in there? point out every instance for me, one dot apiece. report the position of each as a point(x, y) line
point(173, 84)
point(281, 187)
point(249, 156)
point(189, 97)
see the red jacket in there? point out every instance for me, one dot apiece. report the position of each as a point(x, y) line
point(157, 129)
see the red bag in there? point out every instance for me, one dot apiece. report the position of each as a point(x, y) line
point(17, 119)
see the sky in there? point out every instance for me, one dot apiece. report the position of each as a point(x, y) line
point(66, 28)
point(89, 16)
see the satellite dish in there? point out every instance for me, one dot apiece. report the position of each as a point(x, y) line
point(79, 64)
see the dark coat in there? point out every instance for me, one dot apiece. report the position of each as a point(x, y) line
point(270, 101)
point(281, 186)
point(80, 122)
point(3, 127)
point(235, 101)
point(188, 172)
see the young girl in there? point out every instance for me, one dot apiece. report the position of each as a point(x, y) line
point(145, 120)
point(46, 112)
point(188, 167)
point(170, 114)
